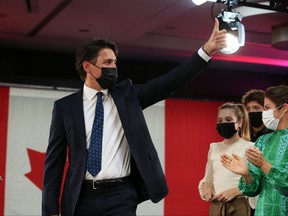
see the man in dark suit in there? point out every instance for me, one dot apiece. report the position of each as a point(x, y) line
point(129, 170)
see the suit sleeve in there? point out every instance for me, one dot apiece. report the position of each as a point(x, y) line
point(54, 164)
point(165, 86)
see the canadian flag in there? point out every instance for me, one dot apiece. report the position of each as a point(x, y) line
point(181, 130)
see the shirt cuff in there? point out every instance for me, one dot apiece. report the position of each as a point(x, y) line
point(203, 55)
point(200, 188)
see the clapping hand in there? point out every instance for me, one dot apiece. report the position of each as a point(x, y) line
point(235, 164)
point(255, 156)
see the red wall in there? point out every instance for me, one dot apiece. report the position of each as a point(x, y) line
point(190, 127)
point(4, 102)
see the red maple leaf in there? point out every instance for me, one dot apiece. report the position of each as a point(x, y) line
point(37, 160)
point(37, 166)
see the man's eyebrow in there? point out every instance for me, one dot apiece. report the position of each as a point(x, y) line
point(110, 60)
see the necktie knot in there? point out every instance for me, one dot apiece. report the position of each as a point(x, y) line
point(99, 95)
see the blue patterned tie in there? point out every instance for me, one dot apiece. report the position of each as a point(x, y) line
point(95, 148)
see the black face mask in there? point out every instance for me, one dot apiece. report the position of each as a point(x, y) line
point(255, 119)
point(108, 77)
point(226, 130)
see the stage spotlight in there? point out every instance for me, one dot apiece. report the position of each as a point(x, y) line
point(199, 2)
point(230, 21)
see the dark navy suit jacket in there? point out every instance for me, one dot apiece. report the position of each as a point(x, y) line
point(68, 130)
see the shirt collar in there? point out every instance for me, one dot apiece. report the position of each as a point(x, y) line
point(90, 93)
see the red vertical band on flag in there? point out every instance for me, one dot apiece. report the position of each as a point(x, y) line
point(4, 104)
point(190, 127)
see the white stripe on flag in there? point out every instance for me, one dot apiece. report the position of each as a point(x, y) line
point(155, 116)
point(28, 127)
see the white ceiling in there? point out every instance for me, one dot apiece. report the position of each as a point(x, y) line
point(167, 29)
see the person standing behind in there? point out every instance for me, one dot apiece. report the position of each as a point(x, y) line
point(219, 185)
point(101, 131)
point(266, 173)
point(253, 102)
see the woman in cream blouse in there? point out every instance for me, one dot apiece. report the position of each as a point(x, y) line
point(219, 185)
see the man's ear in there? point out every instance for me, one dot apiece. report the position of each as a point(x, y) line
point(86, 66)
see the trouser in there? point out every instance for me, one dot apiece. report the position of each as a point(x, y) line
point(239, 206)
point(118, 200)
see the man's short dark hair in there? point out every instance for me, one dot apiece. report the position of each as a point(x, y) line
point(254, 95)
point(88, 51)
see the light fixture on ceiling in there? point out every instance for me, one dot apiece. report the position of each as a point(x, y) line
point(231, 21)
point(274, 5)
point(280, 36)
point(199, 2)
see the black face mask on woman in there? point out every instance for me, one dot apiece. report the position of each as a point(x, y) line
point(226, 130)
point(108, 77)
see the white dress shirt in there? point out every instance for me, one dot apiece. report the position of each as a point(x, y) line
point(115, 150)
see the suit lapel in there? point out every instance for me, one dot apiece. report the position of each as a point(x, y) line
point(120, 104)
point(121, 107)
